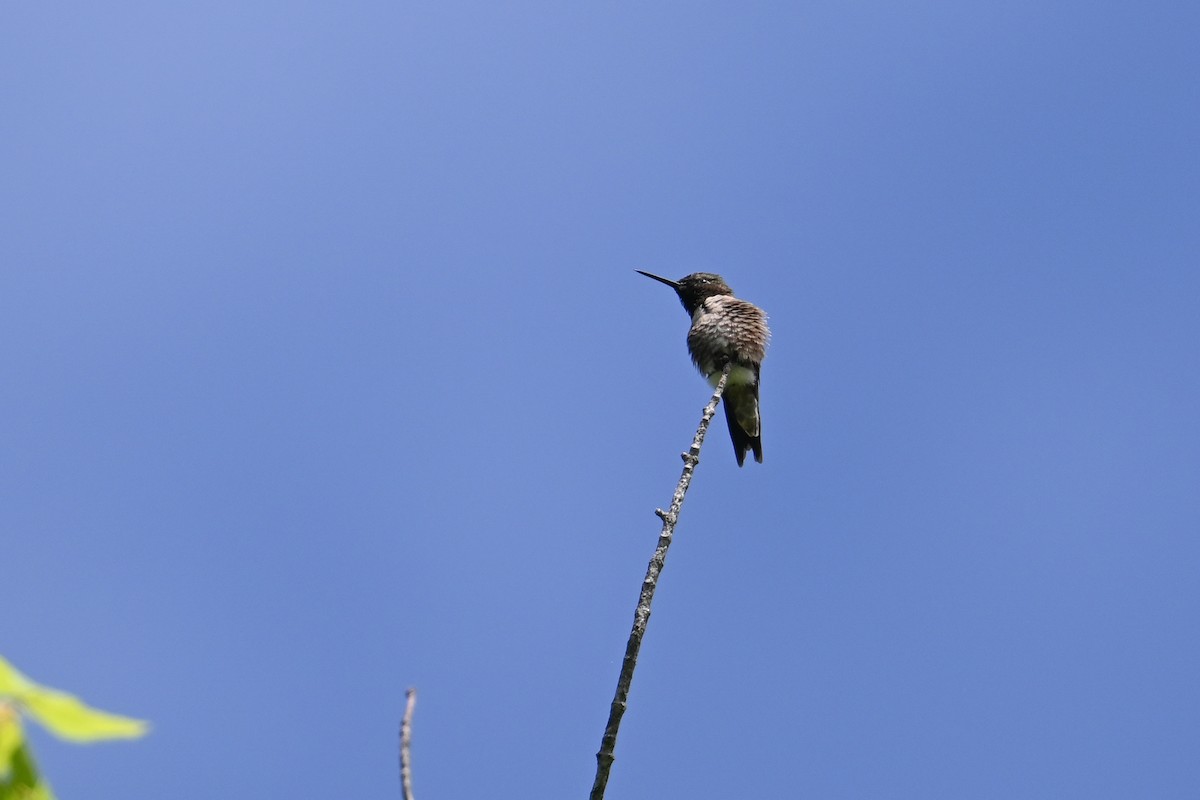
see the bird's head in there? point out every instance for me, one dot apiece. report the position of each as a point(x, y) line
point(695, 288)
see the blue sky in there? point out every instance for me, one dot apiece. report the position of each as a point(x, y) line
point(327, 373)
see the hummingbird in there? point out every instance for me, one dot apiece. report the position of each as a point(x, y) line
point(726, 329)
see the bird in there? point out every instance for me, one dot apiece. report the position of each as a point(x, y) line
point(726, 330)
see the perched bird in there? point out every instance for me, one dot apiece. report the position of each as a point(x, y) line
point(726, 329)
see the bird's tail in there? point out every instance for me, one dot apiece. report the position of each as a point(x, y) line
point(745, 426)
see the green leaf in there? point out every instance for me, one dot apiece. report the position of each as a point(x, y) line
point(11, 736)
point(12, 682)
point(66, 715)
point(23, 781)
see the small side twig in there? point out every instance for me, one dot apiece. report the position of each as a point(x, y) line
point(406, 791)
point(641, 616)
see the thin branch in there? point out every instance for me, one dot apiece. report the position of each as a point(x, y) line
point(641, 616)
point(406, 791)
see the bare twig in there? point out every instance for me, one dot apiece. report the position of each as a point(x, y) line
point(641, 616)
point(406, 791)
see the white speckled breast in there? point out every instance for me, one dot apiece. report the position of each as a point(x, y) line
point(725, 328)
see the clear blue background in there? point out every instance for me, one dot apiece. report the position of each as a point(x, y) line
point(325, 372)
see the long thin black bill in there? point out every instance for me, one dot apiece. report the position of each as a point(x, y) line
point(659, 278)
